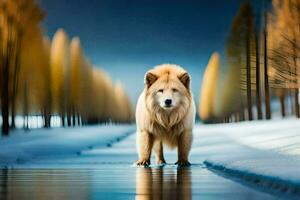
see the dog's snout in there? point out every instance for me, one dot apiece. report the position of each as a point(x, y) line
point(168, 102)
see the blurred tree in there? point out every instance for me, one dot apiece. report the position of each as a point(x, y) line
point(35, 75)
point(229, 101)
point(43, 78)
point(76, 62)
point(281, 95)
point(123, 104)
point(239, 49)
point(59, 62)
point(266, 71)
point(243, 53)
point(16, 18)
point(46, 74)
point(258, 76)
point(96, 102)
point(110, 111)
point(209, 89)
point(86, 92)
point(284, 45)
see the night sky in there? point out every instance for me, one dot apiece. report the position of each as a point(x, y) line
point(126, 38)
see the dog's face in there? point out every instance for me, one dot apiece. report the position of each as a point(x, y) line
point(168, 97)
point(168, 91)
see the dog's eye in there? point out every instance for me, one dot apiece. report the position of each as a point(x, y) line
point(174, 90)
point(161, 90)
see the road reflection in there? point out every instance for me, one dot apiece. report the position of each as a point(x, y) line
point(157, 183)
point(44, 184)
point(122, 181)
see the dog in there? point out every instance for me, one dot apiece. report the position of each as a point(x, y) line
point(165, 114)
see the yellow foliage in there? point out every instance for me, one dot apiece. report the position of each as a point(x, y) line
point(209, 87)
point(76, 62)
point(229, 99)
point(59, 62)
point(123, 104)
point(34, 64)
point(283, 44)
point(53, 77)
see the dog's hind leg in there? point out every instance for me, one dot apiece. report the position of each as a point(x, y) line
point(158, 149)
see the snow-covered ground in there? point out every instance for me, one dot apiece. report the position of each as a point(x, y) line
point(262, 152)
point(22, 147)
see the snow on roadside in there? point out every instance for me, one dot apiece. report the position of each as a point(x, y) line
point(22, 146)
point(264, 152)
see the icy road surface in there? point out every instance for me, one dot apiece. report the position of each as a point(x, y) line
point(107, 173)
point(97, 163)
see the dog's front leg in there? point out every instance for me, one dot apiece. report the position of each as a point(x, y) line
point(158, 149)
point(184, 147)
point(145, 144)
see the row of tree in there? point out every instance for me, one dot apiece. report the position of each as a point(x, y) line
point(80, 90)
point(261, 63)
point(47, 78)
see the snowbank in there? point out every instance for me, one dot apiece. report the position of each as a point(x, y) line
point(266, 153)
point(39, 143)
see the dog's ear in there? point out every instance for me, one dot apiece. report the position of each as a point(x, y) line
point(150, 78)
point(185, 80)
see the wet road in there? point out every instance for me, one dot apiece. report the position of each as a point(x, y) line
point(108, 173)
point(117, 181)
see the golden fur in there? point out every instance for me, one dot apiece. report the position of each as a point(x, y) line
point(158, 125)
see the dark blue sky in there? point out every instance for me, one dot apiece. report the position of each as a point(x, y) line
point(126, 38)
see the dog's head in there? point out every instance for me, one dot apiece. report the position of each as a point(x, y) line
point(168, 90)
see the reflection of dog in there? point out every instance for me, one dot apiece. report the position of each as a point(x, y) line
point(165, 113)
point(157, 183)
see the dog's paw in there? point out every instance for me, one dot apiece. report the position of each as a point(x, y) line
point(183, 163)
point(143, 163)
point(161, 162)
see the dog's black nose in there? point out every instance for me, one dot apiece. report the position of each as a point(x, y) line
point(168, 102)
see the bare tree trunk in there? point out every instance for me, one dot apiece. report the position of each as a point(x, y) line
point(241, 115)
point(258, 95)
point(5, 96)
point(25, 106)
point(13, 114)
point(69, 120)
point(69, 116)
point(248, 76)
point(296, 102)
point(282, 104)
point(5, 108)
point(290, 101)
point(73, 116)
point(266, 78)
point(78, 120)
point(48, 99)
point(296, 90)
point(47, 119)
point(47, 112)
point(63, 123)
point(15, 81)
point(236, 117)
